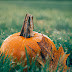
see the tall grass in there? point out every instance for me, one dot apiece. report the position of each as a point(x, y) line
point(9, 64)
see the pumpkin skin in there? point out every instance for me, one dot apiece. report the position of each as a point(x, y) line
point(15, 44)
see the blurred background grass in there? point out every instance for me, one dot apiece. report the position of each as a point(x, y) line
point(52, 18)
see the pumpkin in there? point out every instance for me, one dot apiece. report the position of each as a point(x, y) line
point(35, 43)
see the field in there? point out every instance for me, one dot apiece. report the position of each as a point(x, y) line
point(53, 19)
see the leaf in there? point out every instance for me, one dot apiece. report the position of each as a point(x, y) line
point(57, 57)
point(46, 47)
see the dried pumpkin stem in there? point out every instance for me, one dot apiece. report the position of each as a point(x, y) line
point(27, 29)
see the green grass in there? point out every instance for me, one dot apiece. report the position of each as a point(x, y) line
point(53, 19)
point(8, 64)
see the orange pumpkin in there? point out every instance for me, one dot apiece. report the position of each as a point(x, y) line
point(33, 41)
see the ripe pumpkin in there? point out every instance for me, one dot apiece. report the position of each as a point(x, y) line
point(34, 42)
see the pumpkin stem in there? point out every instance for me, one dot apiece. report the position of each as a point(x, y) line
point(27, 28)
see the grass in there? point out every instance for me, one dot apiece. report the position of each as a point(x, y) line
point(53, 19)
point(8, 64)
